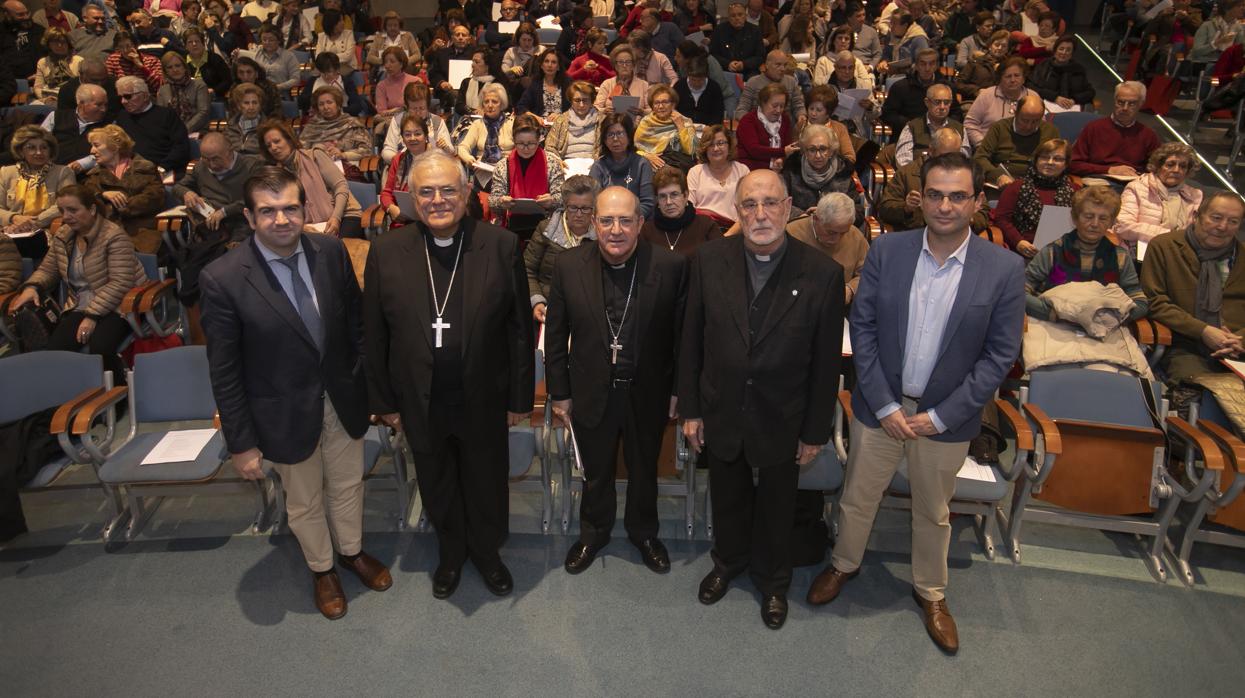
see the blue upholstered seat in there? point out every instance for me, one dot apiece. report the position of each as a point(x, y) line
point(123, 467)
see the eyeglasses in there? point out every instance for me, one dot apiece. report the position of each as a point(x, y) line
point(127, 96)
point(956, 197)
point(615, 135)
point(36, 146)
point(430, 193)
point(525, 144)
point(579, 210)
point(817, 150)
point(661, 103)
point(752, 207)
point(623, 62)
point(609, 222)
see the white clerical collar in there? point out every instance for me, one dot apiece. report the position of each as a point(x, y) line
point(443, 242)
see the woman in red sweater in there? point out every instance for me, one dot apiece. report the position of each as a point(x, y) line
point(764, 135)
point(415, 141)
point(593, 65)
point(1047, 183)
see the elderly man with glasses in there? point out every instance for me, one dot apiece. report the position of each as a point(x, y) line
point(159, 133)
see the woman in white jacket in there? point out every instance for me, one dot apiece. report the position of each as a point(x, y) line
point(1160, 201)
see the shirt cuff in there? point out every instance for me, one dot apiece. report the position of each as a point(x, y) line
point(87, 162)
point(887, 410)
point(938, 425)
point(537, 300)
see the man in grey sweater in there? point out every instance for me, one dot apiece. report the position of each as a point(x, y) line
point(773, 70)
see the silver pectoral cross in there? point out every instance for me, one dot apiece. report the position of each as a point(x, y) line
point(438, 326)
point(615, 347)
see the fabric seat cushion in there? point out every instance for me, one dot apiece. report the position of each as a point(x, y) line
point(372, 450)
point(522, 450)
point(968, 489)
point(123, 467)
point(824, 473)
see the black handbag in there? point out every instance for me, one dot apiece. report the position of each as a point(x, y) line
point(34, 324)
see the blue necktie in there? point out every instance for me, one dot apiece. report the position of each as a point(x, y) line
point(303, 303)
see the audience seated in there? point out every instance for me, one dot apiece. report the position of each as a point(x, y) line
point(830, 227)
point(738, 44)
point(978, 42)
point(279, 64)
point(71, 126)
point(294, 27)
point(820, 104)
point(129, 183)
point(1007, 150)
point(624, 82)
point(415, 96)
point(511, 11)
point(712, 182)
point(524, 48)
point(914, 139)
point(868, 43)
point(1061, 79)
point(574, 37)
point(206, 65)
point(566, 227)
point(260, 9)
point(620, 165)
point(906, 99)
point(1047, 183)
point(387, 97)
point(906, 40)
point(664, 34)
point(224, 28)
point(489, 139)
point(1116, 145)
point(982, 69)
point(28, 188)
point(700, 98)
point(91, 38)
point(245, 116)
point(665, 137)
point(1162, 200)
point(341, 136)
point(184, 94)
point(1038, 47)
point(91, 71)
point(759, 16)
point(95, 261)
point(593, 65)
point(329, 208)
point(999, 102)
point(147, 33)
point(247, 70)
point(816, 168)
point(330, 76)
point(773, 72)
point(1219, 32)
point(461, 48)
point(854, 73)
point(126, 59)
point(692, 16)
point(1084, 254)
point(468, 100)
point(675, 224)
point(765, 133)
point(337, 39)
point(414, 131)
point(217, 181)
point(654, 67)
point(53, 16)
point(58, 67)
point(900, 207)
point(528, 172)
point(574, 132)
point(802, 36)
point(546, 96)
point(158, 132)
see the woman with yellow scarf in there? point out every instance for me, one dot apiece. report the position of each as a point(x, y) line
point(665, 137)
point(28, 189)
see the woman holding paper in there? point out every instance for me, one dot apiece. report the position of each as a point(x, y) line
point(764, 134)
point(414, 141)
point(28, 189)
point(471, 90)
point(623, 84)
point(1046, 183)
point(490, 138)
point(574, 133)
point(1161, 200)
point(982, 71)
point(528, 174)
point(129, 183)
point(330, 208)
point(58, 67)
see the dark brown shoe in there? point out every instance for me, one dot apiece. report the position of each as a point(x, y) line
point(330, 598)
point(371, 572)
point(939, 623)
point(826, 587)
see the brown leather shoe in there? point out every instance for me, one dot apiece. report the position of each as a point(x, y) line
point(939, 623)
point(370, 571)
point(826, 587)
point(330, 598)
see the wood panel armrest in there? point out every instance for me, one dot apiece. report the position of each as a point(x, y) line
point(1020, 427)
point(1211, 453)
point(60, 418)
point(169, 224)
point(845, 401)
point(371, 163)
point(1162, 333)
point(994, 234)
point(874, 228)
point(1143, 331)
point(20, 98)
point(1050, 432)
point(1228, 443)
point(155, 292)
point(374, 216)
point(87, 414)
point(129, 302)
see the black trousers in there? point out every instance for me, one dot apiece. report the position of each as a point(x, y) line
point(752, 522)
point(598, 449)
point(110, 331)
point(464, 488)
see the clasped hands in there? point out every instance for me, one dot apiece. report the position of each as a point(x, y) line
point(901, 427)
point(1222, 343)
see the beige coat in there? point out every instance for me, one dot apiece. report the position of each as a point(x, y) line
point(111, 265)
point(58, 176)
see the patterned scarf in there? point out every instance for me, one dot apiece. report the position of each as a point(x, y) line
point(32, 189)
point(1210, 279)
point(1105, 269)
point(1029, 206)
point(492, 142)
point(183, 101)
point(59, 74)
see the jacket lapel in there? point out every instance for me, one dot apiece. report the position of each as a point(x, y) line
point(907, 270)
point(735, 288)
point(474, 271)
point(786, 293)
point(265, 283)
point(646, 294)
point(417, 277)
point(591, 279)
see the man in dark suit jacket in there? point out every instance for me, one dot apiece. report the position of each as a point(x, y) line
point(936, 325)
point(618, 304)
point(737, 44)
point(758, 372)
point(456, 382)
point(284, 340)
point(90, 72)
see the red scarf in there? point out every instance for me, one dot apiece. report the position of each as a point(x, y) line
point(532, 183)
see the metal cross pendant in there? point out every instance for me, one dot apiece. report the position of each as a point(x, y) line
point(615, 347)
point(438, 326)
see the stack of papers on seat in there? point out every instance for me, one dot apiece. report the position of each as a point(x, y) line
point(179, 446)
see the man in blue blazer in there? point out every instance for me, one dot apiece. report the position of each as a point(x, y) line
point(936, 325)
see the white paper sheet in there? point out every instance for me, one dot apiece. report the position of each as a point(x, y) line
point(482, 166)
point(1141, 250)
point(1154, 11)
point(849, 108)
point(698, 37)
point(847, 338)
point(28, 234)
point(548, 22)
point(460, 69)
point(1056, 221)
point(1238, 367)
point(316, 227)
point(1054, 108)
point(507, 27)
point(623, 103)
point(577, 166)
point(802, 57)
point(179, 446)
point(496, 11)
point(311, 13)
point(972, 470)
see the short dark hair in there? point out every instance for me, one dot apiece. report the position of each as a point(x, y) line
point(954, 161)
point(273, 179)
point(607, 122)
point(690, 48)
point(84, 194)
point(327, 60)
point(329, 19)
point(667, 176)
point(697, 67)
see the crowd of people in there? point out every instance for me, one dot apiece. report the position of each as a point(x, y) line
point(690, 167)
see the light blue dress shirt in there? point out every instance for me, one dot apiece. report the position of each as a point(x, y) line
point(933, 293)
point(283, 273)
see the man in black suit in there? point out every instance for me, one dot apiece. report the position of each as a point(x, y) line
point(450, 356)
point(759, 368)
point(91, 71)
point(284, 337)
point(618, 304)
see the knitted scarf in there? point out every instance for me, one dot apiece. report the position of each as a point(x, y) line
point(1067, 262)
point(1029, 206)
point(1209, 281)
point(677, 224)
point(655, 135)
point(818, 180)
point(182, 98)
point(492, 147)
point(773, 128)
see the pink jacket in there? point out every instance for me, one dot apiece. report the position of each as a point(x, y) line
point(1141, 209)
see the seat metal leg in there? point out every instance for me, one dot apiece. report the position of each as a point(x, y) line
point(1186, 543)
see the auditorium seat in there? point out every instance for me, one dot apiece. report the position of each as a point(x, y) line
point(1219, 517)
point(1070, 123)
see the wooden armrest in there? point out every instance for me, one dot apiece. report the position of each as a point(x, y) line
point(82, 420)
point(1162, 334)
point(216, 420)
point(169, 224)
point(217, 125)
point(129, 302)
point(374, 216)
point(1228, 442)
point(995, 235)
point(1050, 432)
point(60, 418)
point(20, 98)
point(873, 227)
point(371, 163)
point(845, 401)
point(1142, 331)
point(1024, 433)
point(1211, 454)
point(155, 292)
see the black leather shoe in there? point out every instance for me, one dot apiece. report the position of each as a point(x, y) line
point(499, 581)
point(580, 557)
point(654, 554)
point(713, 587)
point(445, 581)
point(774, 611)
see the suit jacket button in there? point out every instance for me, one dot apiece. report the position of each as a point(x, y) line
point(748, 382)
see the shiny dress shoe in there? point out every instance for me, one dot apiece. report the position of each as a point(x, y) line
point(713, 587)
point(580, 557)
point(827, 585)
point(445, 581)
point(939, 623)
point(774, 611)
point(370, 571)
point(499, 581)
point(330, 598)
point(654, 555)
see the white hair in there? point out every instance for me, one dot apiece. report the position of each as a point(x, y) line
point(432, 156)
point(133, 83)
point(1139, 87)
point(811, 131)
point(836, 208)
point(497, 90)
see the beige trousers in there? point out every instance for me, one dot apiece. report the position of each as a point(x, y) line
point(334, 472)
point(932, 466)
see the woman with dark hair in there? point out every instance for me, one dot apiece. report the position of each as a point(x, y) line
point(528, 172)
point(206, 65)
point(1038, 47)
point(1061, 79)
point(224, 28)
point(330, 208)
point(336, 39)
point(546, 96)
point(800, 38)
point(245, 69)
point(280, 64)
point(470, 92)
point(619, 164)
point(1046, 183)
point(593, 65)
point(712, 182)
point(765, 133)
point(183, 93)
point(675, 224)
point(397, 177)
point(292, 25)
point(522, 50)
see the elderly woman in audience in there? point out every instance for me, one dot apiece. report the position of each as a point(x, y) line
point(414, 142)
point(1161, 200)
point(28, 189)
point(392, 35)
point(95, 261)
point(620, 165)
point(765, 134)
point(415, 97)
point(330, 208)
point(522, 51)
point(247, 70)
point(816, 168)
point(853, 74)
point(675, 224)
point(592, 65)
point(574, 133)
point(982, 70)
point(189, 17)
point(665, 137)
point(337, 39)
point(329, 66)
point(820, 103)
point(546, 95)
point(130, 184)
point(245, 115)
point(490, 138)
point(624, 83)
point(183, 93)
point(1046, 183)
point(712, 182)
point(206, 65)
point(57, 67)
point(998, 102)
point(1085, 254)
point(472, 89)
point(565, 228)
point(527, 173)
point(341, 136)
point(1061, 79)
point(280, 64)
point(387, 97)
point(984, 24)
point(1038, 47)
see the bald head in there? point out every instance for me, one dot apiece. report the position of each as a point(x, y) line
point(16, 11)
point(621, 196)
point(763, 205)
point(945, 140)
point(1029, 114)
point(618, 224)
point(775, 65)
